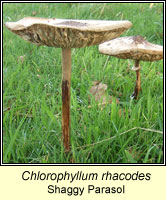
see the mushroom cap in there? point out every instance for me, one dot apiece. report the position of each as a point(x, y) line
point(132, 47)
point(67, 33)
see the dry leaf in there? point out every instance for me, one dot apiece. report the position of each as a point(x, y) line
point(72, 160)
point(134, 153)
point(151, 5)
point(123, 112)
point(161, 34)
point(34, 13)
point(6, 109)
point(98, 91)
point(96, 82)
point(110, 100)
point(21, 58)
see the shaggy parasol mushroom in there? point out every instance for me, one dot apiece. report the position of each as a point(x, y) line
point(135, 48)
point(67, 34)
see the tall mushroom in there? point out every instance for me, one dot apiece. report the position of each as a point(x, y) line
point(135, 48)
point(67, 34)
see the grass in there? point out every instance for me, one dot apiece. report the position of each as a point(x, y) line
point(32, 92)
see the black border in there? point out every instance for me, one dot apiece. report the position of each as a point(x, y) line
point(80, 164)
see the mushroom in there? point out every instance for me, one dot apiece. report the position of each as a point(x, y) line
point(67, 34)
point(136, 48)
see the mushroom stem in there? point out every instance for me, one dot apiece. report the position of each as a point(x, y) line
point(66, 79)
point(138, 80)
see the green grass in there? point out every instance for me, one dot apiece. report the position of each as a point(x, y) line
point(32, 92)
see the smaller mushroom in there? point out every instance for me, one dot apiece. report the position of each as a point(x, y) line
point(135, 48)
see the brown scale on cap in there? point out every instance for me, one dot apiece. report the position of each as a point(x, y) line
point(138, 39)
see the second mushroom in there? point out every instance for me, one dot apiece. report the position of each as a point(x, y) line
point(135, 48)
